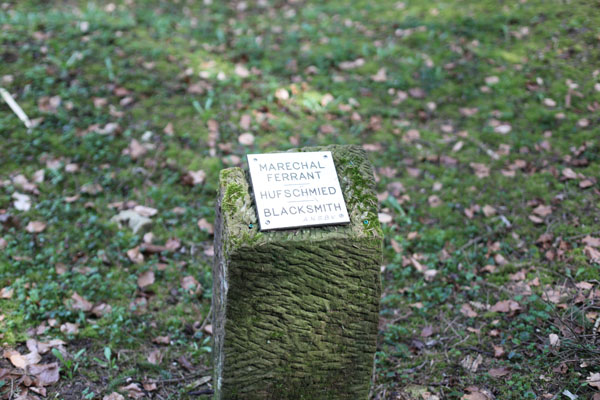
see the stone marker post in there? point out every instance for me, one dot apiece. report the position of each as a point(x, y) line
point(295, 312)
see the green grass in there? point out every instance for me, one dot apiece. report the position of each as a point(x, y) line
point(158, 50)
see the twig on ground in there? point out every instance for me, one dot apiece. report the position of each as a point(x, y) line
point(15, 108)
point(373, 377)
point(475, 349)
point(483, 147)
point(491, 285)
point(582, 235)
point(481, 237)
point(206, 319)
point(205, 392)
point(184, 378)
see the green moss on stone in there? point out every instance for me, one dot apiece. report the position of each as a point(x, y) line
point(296, 311)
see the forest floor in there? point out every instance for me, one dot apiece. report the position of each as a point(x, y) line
point(481, 119)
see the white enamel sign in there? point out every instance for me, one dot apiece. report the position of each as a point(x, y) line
point(296, 189)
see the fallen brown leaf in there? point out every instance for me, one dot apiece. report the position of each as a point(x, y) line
point(246, 139)
point(554, 340)
point(101, 310)
point(593, 380)
point(22, 182)
point(206, 226)
point(569, 173)
point(133, 391)
point(396, 246)
point(22, 201)
point(146, 279)
point(162, 340)
point(542, 210)
point(591, 241)
point(505, 306)
point(190, 284)
point(488, 210)
point(22, 361)
point(245, 122)
point(135, 255)
point(145, 211)
point(380, 76)
point(168, 130)
point(69, 328)
point(412, 235)
point(80, 303)
point(173, 244)
point(45, 374)
point(535, 219)
point(135, 149)
point(49, 104)
point(434, 201)
point(72, 199)
point(427, 331)
point(498, 351)
point(503, 129)
point(282, 94)
point(193, 178)
point(592, 253)
point(417, 93)
point(470, 363)
point(35, 227)
point(6, 293)
point(468, 311)
point(481, 170)
point(44, 347)
point(155, 357)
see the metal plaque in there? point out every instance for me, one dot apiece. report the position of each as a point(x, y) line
point(296, 189)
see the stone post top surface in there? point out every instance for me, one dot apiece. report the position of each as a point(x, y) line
point(356, 180)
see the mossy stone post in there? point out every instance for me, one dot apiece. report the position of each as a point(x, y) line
point(295, 312)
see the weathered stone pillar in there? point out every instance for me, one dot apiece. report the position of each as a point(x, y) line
point(295, 312)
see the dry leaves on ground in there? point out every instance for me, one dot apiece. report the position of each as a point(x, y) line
point(135, 255)
point(481, 170)
point(80, 303)
point(246, 139)
point(206, 226)
point(594, 380)
point(190, 284)
point(506, 306)
point(35, 227)
point(471, 363)
point(468, 311)
point(6, 293)
point(133, 391)
point(145, 279)
point(193, 178)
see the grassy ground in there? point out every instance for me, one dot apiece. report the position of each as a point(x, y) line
point(480, 117)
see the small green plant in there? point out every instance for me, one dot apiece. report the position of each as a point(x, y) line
point(87, 394)
point(110, 363)
point(70, 364)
